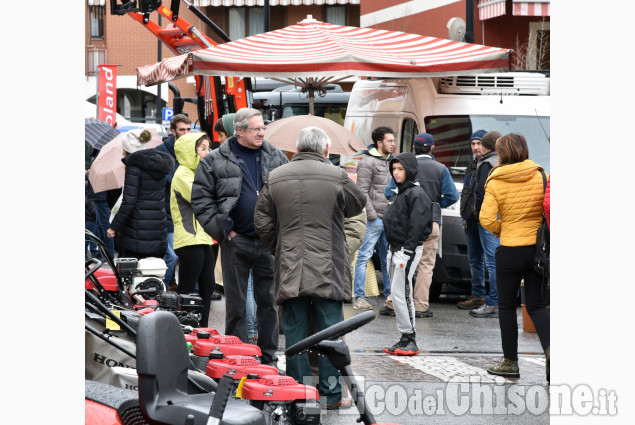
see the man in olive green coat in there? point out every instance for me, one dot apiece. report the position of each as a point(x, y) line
point(300, 216)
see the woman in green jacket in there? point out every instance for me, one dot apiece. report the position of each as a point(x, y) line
point(191, 243)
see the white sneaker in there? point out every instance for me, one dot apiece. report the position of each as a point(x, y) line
point(485, 311)
point(362, 303)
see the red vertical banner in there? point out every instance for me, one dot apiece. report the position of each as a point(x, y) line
point(107, 87)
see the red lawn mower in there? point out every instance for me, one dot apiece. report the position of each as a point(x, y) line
point(212, 380)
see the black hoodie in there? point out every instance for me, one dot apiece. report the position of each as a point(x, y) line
point(141, 222)
point(408, 218)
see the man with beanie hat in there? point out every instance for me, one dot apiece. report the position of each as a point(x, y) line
point(481, 244)
point(436, 181)
point(407, 222)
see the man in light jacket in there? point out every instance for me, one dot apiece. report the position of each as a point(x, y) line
point(372, 177)
point(300, 216)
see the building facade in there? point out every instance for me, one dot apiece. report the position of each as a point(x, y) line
point(121, 40)
point(520, 25)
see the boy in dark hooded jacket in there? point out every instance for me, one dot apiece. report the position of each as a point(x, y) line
point(407, 222)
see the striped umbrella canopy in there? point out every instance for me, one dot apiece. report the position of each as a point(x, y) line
point(98, 133)
point(312, 54)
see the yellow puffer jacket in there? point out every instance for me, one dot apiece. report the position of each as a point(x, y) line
point(187, 230)
point(515, 193)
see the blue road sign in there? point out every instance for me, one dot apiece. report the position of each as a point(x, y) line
point(168, 113)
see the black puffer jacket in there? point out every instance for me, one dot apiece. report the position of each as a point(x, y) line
point(141, 222)
point(408, 218)
point(217, 183)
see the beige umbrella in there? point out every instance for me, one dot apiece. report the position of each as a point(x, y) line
point(283, 134)
point(107, 171)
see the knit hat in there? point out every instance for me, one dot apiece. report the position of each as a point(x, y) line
point(424, 140)
point(489, 140)
point(135, 140)
point(478, 135)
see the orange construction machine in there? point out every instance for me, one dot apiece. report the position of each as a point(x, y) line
point(213, 98)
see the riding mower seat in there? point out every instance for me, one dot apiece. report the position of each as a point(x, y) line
point(162, 366)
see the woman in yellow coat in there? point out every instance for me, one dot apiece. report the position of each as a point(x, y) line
point(191, 243)
point(512, 210)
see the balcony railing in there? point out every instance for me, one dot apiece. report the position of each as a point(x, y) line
point(95, 56)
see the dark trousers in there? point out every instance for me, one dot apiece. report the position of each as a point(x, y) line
point(295, 321)
point(238, 257)
point(197, 266)
point(126, 253)
point(513, 264)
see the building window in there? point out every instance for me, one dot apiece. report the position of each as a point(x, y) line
point(336, 15)
point(97, 22)
point(244, 22)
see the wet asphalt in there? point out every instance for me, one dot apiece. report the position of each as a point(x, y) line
point(447, 382)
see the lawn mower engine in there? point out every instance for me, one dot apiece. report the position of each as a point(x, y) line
point(143, 279)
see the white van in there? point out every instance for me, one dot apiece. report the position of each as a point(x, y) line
point(451, 109)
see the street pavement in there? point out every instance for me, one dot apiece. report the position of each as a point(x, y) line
point(447, 383)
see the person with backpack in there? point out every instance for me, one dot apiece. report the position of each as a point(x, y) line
point(512, 209)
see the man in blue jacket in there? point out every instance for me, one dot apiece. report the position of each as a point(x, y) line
point(180, 124)
point(436, 181)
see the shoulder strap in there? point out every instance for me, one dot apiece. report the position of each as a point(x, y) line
point(544, 181)
point(544, 189)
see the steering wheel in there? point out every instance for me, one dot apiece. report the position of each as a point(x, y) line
point(332, 332)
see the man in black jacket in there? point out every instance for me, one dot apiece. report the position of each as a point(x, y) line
point(481, 244)
point(408, 222)
point(436, 181)
point(224, 193)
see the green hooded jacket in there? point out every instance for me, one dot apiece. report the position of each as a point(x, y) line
point(187, 230)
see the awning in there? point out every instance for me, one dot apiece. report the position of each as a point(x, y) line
point(488, 9)
point(531, 8)
point(317, 49)
point(97, 2)
point(312, 54)
point(241, 3)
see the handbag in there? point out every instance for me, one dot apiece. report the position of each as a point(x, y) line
point(541, 257)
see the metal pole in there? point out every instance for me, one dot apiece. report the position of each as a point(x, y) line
point(469, 21)
point(266, 15)
point(159, 116)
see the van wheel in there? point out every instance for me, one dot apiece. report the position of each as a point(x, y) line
point(435, 291)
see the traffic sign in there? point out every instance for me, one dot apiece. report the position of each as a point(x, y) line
point(168, 113)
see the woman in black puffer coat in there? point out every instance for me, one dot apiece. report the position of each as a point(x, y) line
point(141, 222)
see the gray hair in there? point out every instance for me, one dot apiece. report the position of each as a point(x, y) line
point(312, 139)
point(242, 116)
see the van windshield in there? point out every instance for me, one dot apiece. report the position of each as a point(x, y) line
point(452, 137)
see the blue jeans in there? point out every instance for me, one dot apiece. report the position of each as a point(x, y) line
point(481, 250)
point(103, 223)
point(90, 247)
point(170, 260)
point(252, 324)
point(374, 234)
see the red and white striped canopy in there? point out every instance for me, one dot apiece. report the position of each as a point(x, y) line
point(316, 49)
point(532, 7)
point(488, 9)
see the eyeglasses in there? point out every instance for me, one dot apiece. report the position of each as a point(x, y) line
point(258, 129)
point(204, 149)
